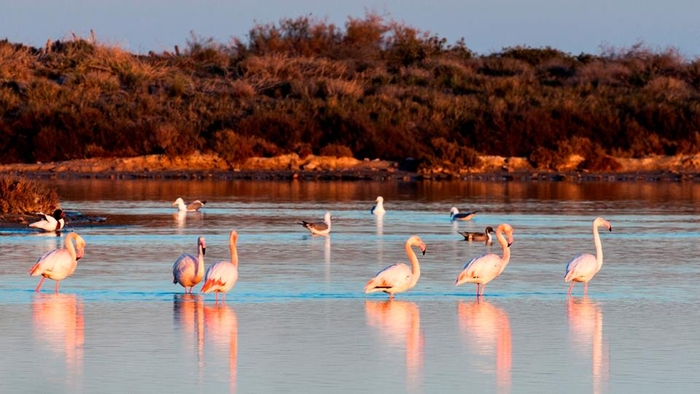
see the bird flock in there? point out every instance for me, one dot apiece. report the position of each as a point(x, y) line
point(188, 270)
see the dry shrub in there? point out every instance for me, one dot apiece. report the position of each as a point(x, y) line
point(342, 88)
point(668, 88)
point(236, 148)
point(336, 151)
point(23, 196)
point(452, 155)
point(15, 62)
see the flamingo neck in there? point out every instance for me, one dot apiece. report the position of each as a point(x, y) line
point(598, 248)
point(70, 247)
point(200, 260)
point(234, 252)
point(415, 267)
point(506, 250)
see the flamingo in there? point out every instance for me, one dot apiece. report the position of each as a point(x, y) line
point(455, 215)
point(485, 268)
point(319, 228)
point(479, 237)
point(188, 270)
point(50, 223)
point(378, 208)
point(190, 207)
point(59, 263)
point(398, 278)
point(583, 267)
point(221, 277)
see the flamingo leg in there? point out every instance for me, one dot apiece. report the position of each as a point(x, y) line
point(477, 289)
point(571, 287)
point(56, 289)
point(391, 296)
point(585, 288)
point(216, 295)
point(483, 287)
point(41, 282)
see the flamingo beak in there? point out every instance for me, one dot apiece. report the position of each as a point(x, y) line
point(204, 251)
point(610, 228)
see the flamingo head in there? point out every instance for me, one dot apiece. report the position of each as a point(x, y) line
point(233, 237)
point(416, 241)
point(201, 243)
point(600, 222)
point(506, 229)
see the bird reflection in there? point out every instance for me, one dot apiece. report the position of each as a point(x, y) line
point(483, 327)
point(180, 218)
point(380, 224)
point(327, 257)
point(586, 330)
point(399, 321)
point(207, 328)
point(221, 326)
point(188, 310)
point(58, 321)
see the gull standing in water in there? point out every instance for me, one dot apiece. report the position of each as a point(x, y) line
point(59, 264)
point(398, 278)
point(455, 215)
point(190, 207)
point(188, 270)
point(378, 208)
point(221, 277)
point(319, 228)
point(483, 269)
point(583, 267)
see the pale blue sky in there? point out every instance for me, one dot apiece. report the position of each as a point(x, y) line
point(573, 26)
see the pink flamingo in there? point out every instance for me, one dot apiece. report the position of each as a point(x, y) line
point(188, 270)
point(398, 278)
point(583, 267)
point(59, 263)
point(483, 269)
point(221, 277)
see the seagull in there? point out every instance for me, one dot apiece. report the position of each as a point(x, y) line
point(190, 207)
point(378, 208)
point(455, 215)
point(50, 223)
point(319, 228)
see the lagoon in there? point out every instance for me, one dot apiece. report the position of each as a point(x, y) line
point(298, 320)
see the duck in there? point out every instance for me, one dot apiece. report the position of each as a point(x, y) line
point(50, 223)
point(479, 237)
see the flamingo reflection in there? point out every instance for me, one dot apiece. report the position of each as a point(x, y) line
point(483, 327)
point(399, 321)
point(211, 328)
point(221, 326)
point(58, 321)
point(586, 330)
point(188, 312)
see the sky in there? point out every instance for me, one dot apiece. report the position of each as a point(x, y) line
point(487, 26)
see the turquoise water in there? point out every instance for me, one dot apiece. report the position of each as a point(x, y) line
point(298, 320)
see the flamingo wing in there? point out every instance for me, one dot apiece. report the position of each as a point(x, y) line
point(221, 276)
point(581, 268)
point(184, 268)
point(56, 264)
point(394, 276)
point(480, 269)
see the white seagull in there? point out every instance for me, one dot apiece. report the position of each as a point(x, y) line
point(319, 228)
point(190, 207)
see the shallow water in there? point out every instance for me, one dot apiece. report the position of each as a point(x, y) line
point(298, 320)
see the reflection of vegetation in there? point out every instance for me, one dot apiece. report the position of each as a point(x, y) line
point(22, 196)
point(375, 88)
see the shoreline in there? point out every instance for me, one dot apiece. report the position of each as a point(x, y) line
point(199, 166)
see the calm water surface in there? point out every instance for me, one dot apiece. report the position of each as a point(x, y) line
point(298, 320)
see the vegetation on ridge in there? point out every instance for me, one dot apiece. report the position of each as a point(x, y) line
point(373, 88)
